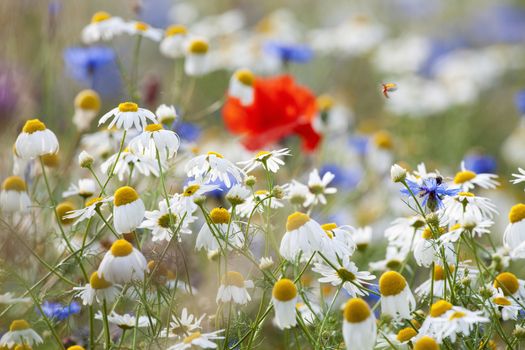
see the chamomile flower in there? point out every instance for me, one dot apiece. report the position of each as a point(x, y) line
point(298, 194)
point(258, 202)
point(85, 188)
point(216, 239)
point(401, 340)
point(359, 325)
point(428, 249)
point(346, 275)
point(238, 194)
point(509, 284)
point(197, 60)
point(87, 105)
point(127, 321)
point(426, 343)
point(341, 245)
point(145, 165)
point(184, 324)
point(467, 204)
point(62, 209)
point(475, 227)
point(362, 237)
point(468, 180)
point(435, 324)
point(319, 186)
point(461, 321)
point(98, 289)
point(284, 299)
point(265, 262)
point(233, 288)
point(166, 114)
point(161, 222)
point(14, 197)
point(89, 210)
point(20, 332)
point(303, 238)
point(267, 159)
point(35, 140)
point(172, 46)
point(122, 263)
point(128, 115)
point(508, 308)
point(198, 339)
point(514, 235)
point(212, 166)
point(102, 27)
point(438, 283)
point(144, 30)
point(241, 86)
point(396, 298)
point(394, 258)
point(128, 210)
point(402, 231)
point(155, 138)
point(194, 189)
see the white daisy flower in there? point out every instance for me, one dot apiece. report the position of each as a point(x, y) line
point(265, 262)
point(468, 180)
point(467, 204)
point(212, 166)
point(127, 321)
point(428, 250)
point(508, 308)
point(309, 314)
point(234, 289)
point(238, 194)
point(284, 299)
point(160, 222)
point(128, 115)
point(87, 106)
point(467, 225)
point(85, 188)
point(194, 189)
point(346, 274)
point(438, 283)
point(461, 321)
point(166, 114)
point(35, 140)
point(362, 237)
point(128, 210)
point(509, 284)
point(20, 332)
point(14, 197)
point(143, 29)
point(102, 27)
point(394, 258)
point(319, 187)
point(122, 263)
point(155, 137)
point(298, 194)
point(180, 326)
point(359, 325)
point(341, 245)
point(435, 325)
point(514, 235)
point(172, 46)
point(197, 57)
point(267, 159)
point(333, 118)
point(88, 211)
point(396, 298)
point(98, 289)
point(402, 231)
point(241, 86)
point(401, 340)
point(202, 340)
point(303, 238)
point(128, 162)
point(258, 202)
point(426, 342)
point(213, 241)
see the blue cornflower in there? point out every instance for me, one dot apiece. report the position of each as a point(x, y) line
point(519, 101)
point(432, 190)
point(59, 312)
point(360, 144)
point(480, 163)
point(288, 52)
point(345, 178)
point(189, 132)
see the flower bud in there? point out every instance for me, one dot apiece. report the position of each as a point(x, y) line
point(250, 181)
point(85, 160)
point(398, 173)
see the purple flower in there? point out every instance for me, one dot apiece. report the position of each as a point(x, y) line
point(432, 190)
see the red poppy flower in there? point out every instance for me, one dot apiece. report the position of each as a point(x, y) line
point(281, 108)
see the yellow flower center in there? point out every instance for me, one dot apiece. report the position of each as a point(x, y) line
point(345, 275)
point(220, 216)
point(153, 127)
point(191, 337)
point(325, 102)
point(198, 46)
point(125, 195)
point(128, 107)
point(93, 201)
point(508, 282)
point(51, 160)
point(296, 220)
point(166, 219)
point(456, 315)
point(502, 301)
point(439, 272)
point(391, 283)
point(121, 247)
point(218, 155)
point(100, 16)
point(33, 125)
point(141, 26)
point(261, 192)
point(356, 310)
point(176, 30)
point(284, 290)
point(190, 190)
point(233, 278)
point(62, 209)
point(382, 139)
point(14, 183)
point(98, 282)
point(426, 343)
point(88, 100)
point(245, 76)
point(517, 213)
point(439, 308)
point(406, 334)
point(262, 154)
point(466, 194)
point(427, 233)
point(464, 176)
point(19, 325)
point(76, 347)
point(329, 226)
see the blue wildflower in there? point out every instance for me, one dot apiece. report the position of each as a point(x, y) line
point(480, 163)
point(59, 312)
point(346, 179)
point(519, 101)
point(360, 144)
point(187, 131)
point(287, 52)
point(432, 190)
